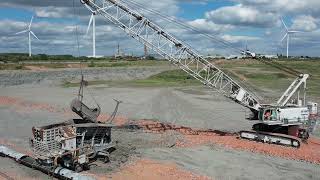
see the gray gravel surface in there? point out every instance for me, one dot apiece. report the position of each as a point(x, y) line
point(11, 78)
point(189, 106)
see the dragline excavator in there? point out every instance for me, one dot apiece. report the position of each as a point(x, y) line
point(283, 122)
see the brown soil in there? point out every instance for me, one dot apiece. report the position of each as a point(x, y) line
point(77, 65)
point(12, 175)
point(150, 169)
point(194, 137)
point(309, 152)
point(36, 68)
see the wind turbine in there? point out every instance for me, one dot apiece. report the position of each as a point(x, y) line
point(93, 22)
point(248, 53)
point(288, 33)
point(30, 33)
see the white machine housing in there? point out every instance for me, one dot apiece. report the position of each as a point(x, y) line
point(313, 108)
point(284, 116)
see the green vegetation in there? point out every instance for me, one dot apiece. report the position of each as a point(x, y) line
point(266, 77)
point(91, 64)
point(253, 74)
point(168, 78)
point(22, 57)
point(173, 78)
point(127, 63)
point(11, 67)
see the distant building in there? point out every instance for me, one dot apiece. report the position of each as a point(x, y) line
point(95, 56)
point(269, 56)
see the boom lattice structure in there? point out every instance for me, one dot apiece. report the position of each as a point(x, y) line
point(177, 52)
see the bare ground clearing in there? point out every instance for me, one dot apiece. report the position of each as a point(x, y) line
point(31, 101)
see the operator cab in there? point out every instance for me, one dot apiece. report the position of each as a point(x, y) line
point(269, 115)
point(284, 116)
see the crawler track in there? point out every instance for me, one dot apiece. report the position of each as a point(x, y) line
point(271, 138)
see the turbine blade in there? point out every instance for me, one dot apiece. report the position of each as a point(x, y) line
point(284, 37)
point(284, 24)
point(24, 31)
point(34, 35)
point(90, 22)
point(31, 22)
point(295, 31)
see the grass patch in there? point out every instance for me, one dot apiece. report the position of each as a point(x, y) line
point(173, 78)
point(252, 73)
point(91, 64)
point(12, 67)
point(169, 78)
point(127, 63)
point(263, 76)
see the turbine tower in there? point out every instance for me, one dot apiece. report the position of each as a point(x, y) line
point(93, 22)
point(287, 35)
point(30, 32)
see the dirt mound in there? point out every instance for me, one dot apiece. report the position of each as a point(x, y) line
point(36, 68)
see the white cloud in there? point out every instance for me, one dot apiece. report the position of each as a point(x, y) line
point(238, 39)
point(242, 16)
point(208, 26)
point(285, 6)
point(53, 12)
point(304, 23)
point(58, 38)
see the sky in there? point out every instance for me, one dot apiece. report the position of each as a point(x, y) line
point(61, 25)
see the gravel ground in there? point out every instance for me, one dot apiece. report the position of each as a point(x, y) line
point(223, 164)
point(189, 106)
point(173, 105)
point(49, 77)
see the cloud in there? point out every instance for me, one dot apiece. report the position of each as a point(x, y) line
point(57, 36)
point(237, 39)
point(285, 6)
point(61, 8)
point(206, 26)
point(304, 23)
point(240, 15)
point(54, 12)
